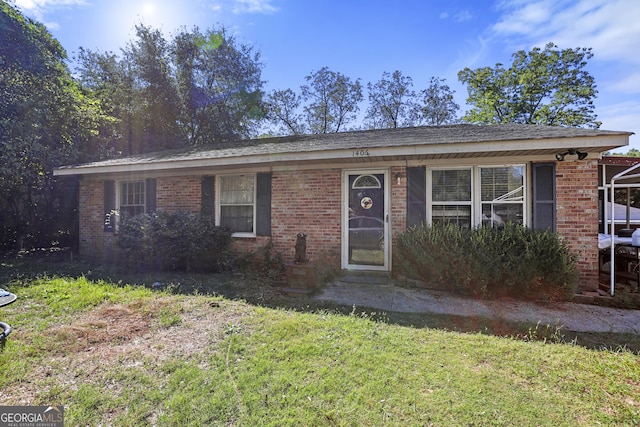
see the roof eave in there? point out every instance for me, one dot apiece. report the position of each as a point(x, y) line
point(542, 146)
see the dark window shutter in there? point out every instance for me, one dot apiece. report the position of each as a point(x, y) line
point(263, 205)
point(150, 195)
point(109, 206)
point(208, 204)
point(416, 196)
point(544, 196)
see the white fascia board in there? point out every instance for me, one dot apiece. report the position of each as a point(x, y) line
point(598, 143)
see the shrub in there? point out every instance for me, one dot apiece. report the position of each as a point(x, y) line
point(489, 262)
point(174, 240)
point(266, 263)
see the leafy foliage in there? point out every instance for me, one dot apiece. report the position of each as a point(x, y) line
point(333, 100)
point(197, 88)
point(283, 109)
point(392, 102)
point(327, 104)
point(438, 107)
point(174, 240)
point(46, 120)
point(513, 260)
point(547, 87)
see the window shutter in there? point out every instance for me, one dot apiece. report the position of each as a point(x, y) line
point(544, 196)
point(150, 195)
point(263, 204)
point(416, 196)
point(109, 206)
point(207, 207)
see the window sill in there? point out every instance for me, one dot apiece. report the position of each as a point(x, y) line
point(243, 235)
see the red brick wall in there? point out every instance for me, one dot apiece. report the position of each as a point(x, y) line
point(309, 202)
point(577, 215)
point(182, 193)
point(398, 201)
point(172, 194)
point(94, 242)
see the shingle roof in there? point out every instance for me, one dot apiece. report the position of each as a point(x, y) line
point(402, 140)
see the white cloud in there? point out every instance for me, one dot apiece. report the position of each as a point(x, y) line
point(39, 8)
point(460, 16)
point(43, 5)
point(610, 27)
point(627, 83)
point(253, 6)
point(623, 116)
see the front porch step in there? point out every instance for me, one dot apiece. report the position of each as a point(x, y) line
point(366, 277)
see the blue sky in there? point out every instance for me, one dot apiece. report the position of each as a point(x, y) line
point(364, 38)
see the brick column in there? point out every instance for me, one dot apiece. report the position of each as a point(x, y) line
point(577, 215)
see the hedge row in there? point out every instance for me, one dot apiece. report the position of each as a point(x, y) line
point(489, 262)
point(174, 240)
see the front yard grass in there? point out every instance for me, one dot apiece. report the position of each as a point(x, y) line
point(121, 355)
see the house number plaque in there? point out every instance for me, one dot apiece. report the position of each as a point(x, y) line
point(361, 153)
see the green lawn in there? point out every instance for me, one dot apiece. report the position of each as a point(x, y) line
point(119, 355)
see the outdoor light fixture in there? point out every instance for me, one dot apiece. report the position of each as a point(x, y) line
point(398, 177)
point(571, 151)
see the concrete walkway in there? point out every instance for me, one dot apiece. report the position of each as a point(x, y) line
point(381, 294)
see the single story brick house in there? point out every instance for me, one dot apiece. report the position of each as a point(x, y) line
point(352, 193)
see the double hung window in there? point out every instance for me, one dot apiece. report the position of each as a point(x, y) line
point(237, 203)
point(502, 195)
point(476, 196)
point(131, 198)
point(451, 196)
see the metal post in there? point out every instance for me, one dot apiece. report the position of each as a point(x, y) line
point(621, 175)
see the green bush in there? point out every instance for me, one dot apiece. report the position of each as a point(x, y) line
point(174, 240)
point(489, 262)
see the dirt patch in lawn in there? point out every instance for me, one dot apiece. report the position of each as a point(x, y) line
point(120, 336)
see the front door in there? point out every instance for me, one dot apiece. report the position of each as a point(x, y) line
point(366, 220)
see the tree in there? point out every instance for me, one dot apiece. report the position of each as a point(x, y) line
point(283, 108)
point(633, 152)
point(148, 57)
point(219, 86)
point(112, 83)
point(438, 106)
point(46, 120)
point(198, 88)
point(392, 102)
point(543, 86)
point(334, 100)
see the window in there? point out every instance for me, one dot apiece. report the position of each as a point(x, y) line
point(124, 199)
point(451, 196)
point(476, 196)
point(237, 203)
point(131, 199)
point(502, 195)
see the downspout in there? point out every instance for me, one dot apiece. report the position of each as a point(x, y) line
point(621, 175)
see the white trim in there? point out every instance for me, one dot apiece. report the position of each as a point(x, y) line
point(218, 191)
point(415, 146)
point(525, 191)
point(476, 202)
point(386, 220)
point(429, 189)
point(118, 197)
